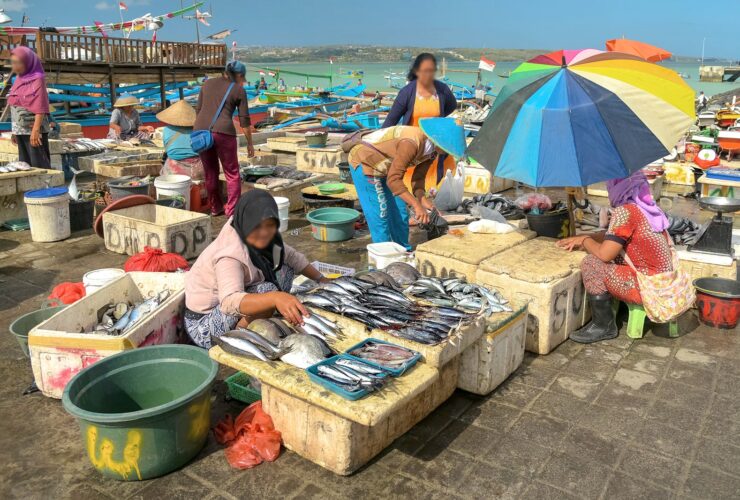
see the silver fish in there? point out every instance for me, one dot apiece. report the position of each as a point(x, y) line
point(348, 285)
point(305, 350)
point(271, 351)
point(360, 367)
point(266, 329)
point(320, 325)
point(239, 346)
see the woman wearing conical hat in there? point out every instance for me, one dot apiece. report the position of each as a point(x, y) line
point(125, 122)
point(180, 157)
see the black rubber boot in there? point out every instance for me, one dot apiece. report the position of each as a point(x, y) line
point(602, 325)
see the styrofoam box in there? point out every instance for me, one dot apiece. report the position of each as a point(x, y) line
point(129, 230)
point(381, 255)
point(59, 351)
point(490, 360)
point(549, 279)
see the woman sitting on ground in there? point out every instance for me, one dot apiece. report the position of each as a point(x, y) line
point(245, 274)
point(125, 122)
point(181, 159)
point(637, 228)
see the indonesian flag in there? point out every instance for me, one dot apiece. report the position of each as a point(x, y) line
point(486, 64)
point(154, 36)
point(122, 6)
point(262, 73)
point(331, 60)
point(270, 73)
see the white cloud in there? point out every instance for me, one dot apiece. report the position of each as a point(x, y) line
point(14, 5)
point(103, 6)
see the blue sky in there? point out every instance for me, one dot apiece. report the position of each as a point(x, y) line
point(671, 24)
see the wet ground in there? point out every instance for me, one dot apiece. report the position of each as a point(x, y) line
point(651, 418)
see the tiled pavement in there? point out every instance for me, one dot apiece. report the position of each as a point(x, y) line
point(653, 418)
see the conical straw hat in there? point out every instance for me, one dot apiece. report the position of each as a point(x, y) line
point(126, 100)
point(180, 114)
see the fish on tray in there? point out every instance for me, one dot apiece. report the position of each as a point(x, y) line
point(353, 376)
point(118, 318)
point(387, 355)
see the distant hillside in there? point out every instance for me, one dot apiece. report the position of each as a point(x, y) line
point(374, 53)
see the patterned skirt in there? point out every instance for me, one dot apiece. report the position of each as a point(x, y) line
point(202, 328)
point(616, 278)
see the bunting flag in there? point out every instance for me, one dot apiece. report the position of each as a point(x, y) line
point(100, 28)
point(122, 6)
point(202, 17)
point(100, 25)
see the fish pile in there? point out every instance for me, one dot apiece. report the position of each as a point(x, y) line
point(458, 293)
point(385, 355)
point(118, 318)
point(280, 177)
point(82, 145)
point(374, 299)
point(353, 375)
point(15, 166)
point(272, 339)
point(683, 230)
point(478, 205)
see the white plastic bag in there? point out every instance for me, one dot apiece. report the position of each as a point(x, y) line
point(450, 194)
point(487, 226)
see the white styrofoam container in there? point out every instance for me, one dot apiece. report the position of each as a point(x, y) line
point(490, 360)
point(59, 351)
point(380, 255)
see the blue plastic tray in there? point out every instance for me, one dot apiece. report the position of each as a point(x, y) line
point(313, 374)
point(396, 372)
point(723, 173)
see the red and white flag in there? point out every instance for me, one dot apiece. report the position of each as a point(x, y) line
point(100, 27)
point(154, 36)
point(331, 60)
point(122, 6)
point(202, 16)
point(270, 73)
point(486, 64)
point(262, 73)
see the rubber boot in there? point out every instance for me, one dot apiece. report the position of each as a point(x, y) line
point(602, 325)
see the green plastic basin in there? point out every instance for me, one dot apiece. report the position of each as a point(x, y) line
point(24, 324)
point(143, 412)
point(332, 188)
point(333, 223)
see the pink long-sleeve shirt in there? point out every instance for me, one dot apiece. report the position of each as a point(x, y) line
point(223, 272)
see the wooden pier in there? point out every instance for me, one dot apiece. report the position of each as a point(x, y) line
point(719, 73)
point(76, 59)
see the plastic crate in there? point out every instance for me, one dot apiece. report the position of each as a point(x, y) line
point(329, 269)
point(313, 374)
point(240, 390)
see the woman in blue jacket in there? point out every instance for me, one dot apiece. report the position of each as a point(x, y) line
point(423, 97)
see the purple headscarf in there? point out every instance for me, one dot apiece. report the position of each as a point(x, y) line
point(636, 189)
point(29, 88)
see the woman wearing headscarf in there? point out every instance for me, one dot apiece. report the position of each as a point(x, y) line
point(224, 153)
point(125, 122)
point(245, 274)
point(424, 97)
point(29, 108)
point(637, 228)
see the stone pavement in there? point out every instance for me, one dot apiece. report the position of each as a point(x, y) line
point(652, 418)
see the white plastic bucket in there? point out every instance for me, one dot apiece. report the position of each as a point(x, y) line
point(48, 214)
point(169, 186)
point(98, 278)
point(284, 211)
point(380, 255)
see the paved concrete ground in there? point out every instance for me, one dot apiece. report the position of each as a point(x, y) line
point(652, 418)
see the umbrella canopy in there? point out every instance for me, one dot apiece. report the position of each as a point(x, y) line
point(645, 51)
point(574, 118)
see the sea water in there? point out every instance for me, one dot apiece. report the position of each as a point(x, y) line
point(375, 74)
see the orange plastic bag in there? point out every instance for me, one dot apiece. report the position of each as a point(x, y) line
point(154, 260)
point(251, 439)
point(67, 293)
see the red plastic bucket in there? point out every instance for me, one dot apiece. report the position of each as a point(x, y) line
point(718, 302)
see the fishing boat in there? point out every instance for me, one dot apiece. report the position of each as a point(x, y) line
point(729, 140)
point(726, 117)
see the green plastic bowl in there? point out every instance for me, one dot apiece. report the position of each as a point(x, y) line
point(333, 223)
point(332, 188)
point(24, 324)
point(143, 412)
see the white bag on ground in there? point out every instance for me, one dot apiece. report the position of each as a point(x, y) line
point(450, 194)
point(487, 226)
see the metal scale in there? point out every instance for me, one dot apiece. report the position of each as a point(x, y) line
point(716, 237)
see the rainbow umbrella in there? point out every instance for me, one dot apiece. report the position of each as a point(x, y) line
point(577, 117)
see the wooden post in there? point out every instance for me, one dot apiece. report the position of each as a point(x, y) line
point(571, 219)
point(111, 86)
point(162, 90)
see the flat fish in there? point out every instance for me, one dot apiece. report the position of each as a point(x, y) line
point(404, 274)
point(305, 350)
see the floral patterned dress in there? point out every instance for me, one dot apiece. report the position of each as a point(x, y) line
point(649, 252)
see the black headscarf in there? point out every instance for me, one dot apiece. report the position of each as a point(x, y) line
point(252, 208)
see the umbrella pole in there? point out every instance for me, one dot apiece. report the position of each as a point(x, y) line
point(572, 221)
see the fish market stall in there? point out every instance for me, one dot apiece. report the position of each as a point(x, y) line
point(453, 255)
point(135, 310)
point(120, 158)
point(549, 280)
point(279, 181)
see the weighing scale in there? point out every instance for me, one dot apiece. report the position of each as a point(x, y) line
point(716, 238)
